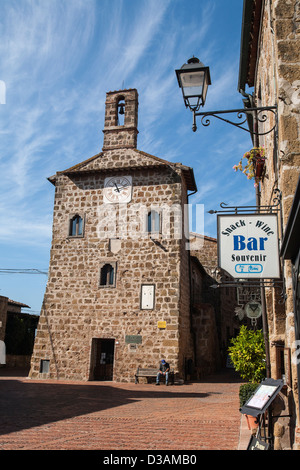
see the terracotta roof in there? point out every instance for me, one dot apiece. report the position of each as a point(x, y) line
point(17, 304)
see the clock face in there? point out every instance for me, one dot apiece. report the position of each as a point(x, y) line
point(117, 189)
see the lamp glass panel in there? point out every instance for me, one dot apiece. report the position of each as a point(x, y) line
point(192, 83)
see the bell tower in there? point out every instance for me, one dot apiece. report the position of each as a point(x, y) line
point(117, 134)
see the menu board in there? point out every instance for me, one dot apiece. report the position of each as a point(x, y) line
point(262, 397)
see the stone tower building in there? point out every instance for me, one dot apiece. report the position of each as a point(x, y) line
point(118, 291)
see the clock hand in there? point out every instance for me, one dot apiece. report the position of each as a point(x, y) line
point(117, 187)
point(122, 187)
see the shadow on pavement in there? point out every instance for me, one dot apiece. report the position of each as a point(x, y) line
point(26, 403)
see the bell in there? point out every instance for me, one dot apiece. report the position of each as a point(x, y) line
point(121, 105)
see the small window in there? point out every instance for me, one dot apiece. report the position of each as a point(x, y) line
point(107, 275)
point(153, 222)
point(44, 366)
point(76, 226)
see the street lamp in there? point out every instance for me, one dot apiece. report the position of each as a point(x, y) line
point(194, 78)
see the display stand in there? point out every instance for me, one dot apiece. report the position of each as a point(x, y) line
point(258, 406)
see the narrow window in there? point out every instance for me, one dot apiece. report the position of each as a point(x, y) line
point(76, 226)
point(44, 366)
point(153, 222)
point(107, 275)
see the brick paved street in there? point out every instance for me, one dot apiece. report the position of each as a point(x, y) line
point(56, 415)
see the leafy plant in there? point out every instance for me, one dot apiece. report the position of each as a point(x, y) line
point(253, 156)
point(247, 353)
point(246, 392)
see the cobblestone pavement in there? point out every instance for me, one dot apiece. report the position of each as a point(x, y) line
point(60, 415)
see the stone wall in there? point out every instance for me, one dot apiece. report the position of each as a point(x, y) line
point(278, 82)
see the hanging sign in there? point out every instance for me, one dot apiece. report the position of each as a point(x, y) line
point(248, 246)
point(257, 444)
point(253, 310)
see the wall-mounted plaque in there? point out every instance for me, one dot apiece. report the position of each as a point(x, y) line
point(133, 339)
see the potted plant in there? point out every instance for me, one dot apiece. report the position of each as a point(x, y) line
point(247, 353)
point(255, 166)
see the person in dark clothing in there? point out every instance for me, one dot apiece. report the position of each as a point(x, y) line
point(164, 369)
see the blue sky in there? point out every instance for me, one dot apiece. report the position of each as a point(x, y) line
point(58, 58)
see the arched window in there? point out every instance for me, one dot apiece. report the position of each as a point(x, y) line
point(153, 222)
point(121, 111)
point(76, 226)
point(107, 275)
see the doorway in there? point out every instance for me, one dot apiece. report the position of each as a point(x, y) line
point(102, 359)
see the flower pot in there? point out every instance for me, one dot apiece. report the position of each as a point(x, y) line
point(252, 422)
point(259, 168)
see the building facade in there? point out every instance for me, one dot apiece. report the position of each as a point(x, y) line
point(17, 332)
point(118, 289)
point(270, 64)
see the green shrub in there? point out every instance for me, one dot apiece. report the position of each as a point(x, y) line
point(246, 391)
point(248, 354)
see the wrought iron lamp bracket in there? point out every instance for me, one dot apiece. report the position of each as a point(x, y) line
point(261, 115)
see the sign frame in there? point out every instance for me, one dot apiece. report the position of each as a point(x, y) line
point(243, 251)
point(147, 297)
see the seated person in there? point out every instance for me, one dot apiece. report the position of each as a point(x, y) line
point(164, 369)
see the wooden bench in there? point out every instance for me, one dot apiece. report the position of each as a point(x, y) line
point(151, 372)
